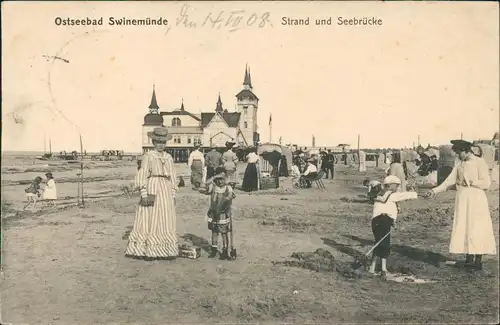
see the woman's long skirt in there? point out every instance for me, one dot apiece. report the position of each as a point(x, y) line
point(251, 178)
point(154, 233)
point(196, 174)
point(472, 226)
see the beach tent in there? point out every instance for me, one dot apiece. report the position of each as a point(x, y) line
point(270, 147)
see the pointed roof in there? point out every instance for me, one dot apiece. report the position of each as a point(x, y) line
point(218, 108)
point(232, 118)
point(154, 104)
point(247, 81)
point(182, 104)
point(246, 93)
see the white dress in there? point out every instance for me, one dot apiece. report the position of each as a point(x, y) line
point(362, 161)
point(472, 226)
point(50, 191)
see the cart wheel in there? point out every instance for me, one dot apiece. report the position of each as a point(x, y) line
point(233, 254)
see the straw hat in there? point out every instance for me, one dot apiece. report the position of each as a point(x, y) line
point(160, 134)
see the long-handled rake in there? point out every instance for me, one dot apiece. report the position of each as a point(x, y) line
point(362, 261)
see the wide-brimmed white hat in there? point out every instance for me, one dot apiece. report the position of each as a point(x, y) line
point(160, 134)
point(391, 179)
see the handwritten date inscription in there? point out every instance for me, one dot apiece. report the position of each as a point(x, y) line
point(231, 20)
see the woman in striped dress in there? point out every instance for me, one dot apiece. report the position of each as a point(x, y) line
point(154, 233)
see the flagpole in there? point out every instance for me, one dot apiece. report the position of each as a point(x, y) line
point(270, 128)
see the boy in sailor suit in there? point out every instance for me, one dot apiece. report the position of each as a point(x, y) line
point(385, 212)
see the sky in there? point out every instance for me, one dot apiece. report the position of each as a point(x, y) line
point(431, 70)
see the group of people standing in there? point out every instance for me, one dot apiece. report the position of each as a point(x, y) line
point(228, 159)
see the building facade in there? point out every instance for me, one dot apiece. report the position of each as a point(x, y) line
point(208, 128)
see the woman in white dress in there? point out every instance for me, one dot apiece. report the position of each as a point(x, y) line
point(396, 169)
point(50, 190)
point(472, 232)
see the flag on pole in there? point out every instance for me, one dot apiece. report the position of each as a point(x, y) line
point(270, 118)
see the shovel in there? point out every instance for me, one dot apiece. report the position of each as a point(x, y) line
point(360, 262)
point(232, 253)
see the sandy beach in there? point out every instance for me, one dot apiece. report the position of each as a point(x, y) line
point(65, 264)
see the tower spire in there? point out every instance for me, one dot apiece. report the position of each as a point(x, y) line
point(247, 82)
point(218, 108)
point(153, 107)
point(182, 104)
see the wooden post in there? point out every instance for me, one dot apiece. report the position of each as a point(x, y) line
point(81, 169)
point(418, 142)
point(461, 135)
point(359, 160)
point(50, 146)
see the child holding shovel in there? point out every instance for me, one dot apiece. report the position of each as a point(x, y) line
point(219, 214)
point(385, 212)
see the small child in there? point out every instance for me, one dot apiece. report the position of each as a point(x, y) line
point(33, 192)
point(374, 188)
point(219, 213)
point(385, 212)
point(50, 191)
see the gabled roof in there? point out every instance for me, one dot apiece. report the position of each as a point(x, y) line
point(246, 93)
point(232, 118)
point(181, 112)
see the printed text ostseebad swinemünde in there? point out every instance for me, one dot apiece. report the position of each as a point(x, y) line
point(111, 21)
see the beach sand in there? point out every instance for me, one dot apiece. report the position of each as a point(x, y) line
point(66, 265)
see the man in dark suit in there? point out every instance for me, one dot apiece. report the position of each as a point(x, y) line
point(213, 159)
point(328, 163)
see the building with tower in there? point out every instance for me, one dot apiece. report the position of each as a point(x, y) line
point(209, 128)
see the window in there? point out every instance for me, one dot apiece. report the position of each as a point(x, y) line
point(245, 109)
point(176, 121)
point(177, 139)
point(245, 124)
point(197, 140)
point(189, 140)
